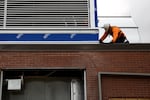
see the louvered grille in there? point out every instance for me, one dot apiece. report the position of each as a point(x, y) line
point(1, 13)
point(45, 13)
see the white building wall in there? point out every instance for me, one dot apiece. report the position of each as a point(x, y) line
point(135, 15)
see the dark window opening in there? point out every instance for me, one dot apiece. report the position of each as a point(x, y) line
point(43, 84)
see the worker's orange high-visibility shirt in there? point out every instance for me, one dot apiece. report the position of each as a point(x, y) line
point(115, 32)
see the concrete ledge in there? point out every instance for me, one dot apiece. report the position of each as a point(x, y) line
point(75, 47)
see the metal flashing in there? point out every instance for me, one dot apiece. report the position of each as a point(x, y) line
point(75, 47)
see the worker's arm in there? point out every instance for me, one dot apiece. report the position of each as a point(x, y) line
point(115, 34)
point(104, 36)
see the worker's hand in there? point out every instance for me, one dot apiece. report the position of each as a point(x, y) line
point(100, 41)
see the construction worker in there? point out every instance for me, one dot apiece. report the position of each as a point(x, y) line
point(115, 32)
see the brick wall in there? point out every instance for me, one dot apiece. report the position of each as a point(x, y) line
point(93, 62)
point(125, 87)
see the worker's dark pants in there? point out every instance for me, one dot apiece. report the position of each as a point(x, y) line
point(122, 40)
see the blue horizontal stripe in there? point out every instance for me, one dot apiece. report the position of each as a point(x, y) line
point(51, 37)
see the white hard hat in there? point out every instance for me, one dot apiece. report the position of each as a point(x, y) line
point(106, 27)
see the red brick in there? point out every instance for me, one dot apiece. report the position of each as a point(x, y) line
point(93, 62)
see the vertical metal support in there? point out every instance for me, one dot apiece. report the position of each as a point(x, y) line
point(100, 86)
point(95, 13)
point(72, 91)
point(1, 84)
point(92, 13)
point(76, 90)
point(88, 1)
point(85, 86)
point(5, 14)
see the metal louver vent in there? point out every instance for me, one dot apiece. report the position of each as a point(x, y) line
point(45, 14)
point(1, 13)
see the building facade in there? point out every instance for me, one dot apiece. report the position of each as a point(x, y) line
point(79, 72)
point(49, 50)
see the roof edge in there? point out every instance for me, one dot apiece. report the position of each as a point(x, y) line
point(75, 47)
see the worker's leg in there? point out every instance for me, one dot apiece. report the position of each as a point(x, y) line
point(120, 40)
